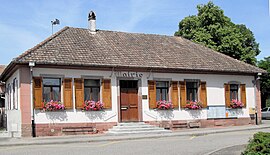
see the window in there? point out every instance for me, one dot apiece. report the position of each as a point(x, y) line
point(51, 89)
point(8, 96)
point(192, 91)
point(234, 91)
point(92, 90)
point(15, 93)
point(162, 89)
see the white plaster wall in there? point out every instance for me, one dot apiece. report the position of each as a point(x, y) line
point(13, 115)
point(74, 115)
point(215, 96)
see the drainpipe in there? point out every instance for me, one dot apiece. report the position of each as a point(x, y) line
point(257, 78)
point(31, 65)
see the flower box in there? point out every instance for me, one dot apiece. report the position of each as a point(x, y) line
point(193, 105)
point(164, 105)
point(53, 106)
point(234, 104)
point(92, 106)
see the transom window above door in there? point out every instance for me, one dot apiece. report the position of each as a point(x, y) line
point(162, 90)
point(91, 90)
point(51, 89)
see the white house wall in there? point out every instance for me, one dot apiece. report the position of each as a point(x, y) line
point(13, 115)
point(215, 97)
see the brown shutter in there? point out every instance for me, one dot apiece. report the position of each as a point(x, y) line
point(68, 102)
point(203, 94)
point(183, 97)
point(227, 94)
point(37, 86)
point(106, 93)
point(174, 94)
point(79, 93)
point(152, 94)
point(243, 94)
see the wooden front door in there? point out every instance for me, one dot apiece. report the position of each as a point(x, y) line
point(129, 100)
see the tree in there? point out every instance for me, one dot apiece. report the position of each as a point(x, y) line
point(265, 79)
point(213, 29)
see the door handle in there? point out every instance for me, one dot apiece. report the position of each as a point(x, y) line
point(133, 106)
point(124, 108)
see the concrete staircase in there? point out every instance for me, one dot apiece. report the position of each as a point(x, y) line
point(136, 128)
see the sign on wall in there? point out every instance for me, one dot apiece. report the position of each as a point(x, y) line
point(129, 74)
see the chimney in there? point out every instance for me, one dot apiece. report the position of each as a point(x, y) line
point(92, 21)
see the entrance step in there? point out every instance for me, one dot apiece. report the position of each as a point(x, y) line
point(136, 128)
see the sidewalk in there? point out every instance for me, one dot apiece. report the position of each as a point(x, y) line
point(103, 137)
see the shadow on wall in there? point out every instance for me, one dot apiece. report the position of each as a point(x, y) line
point(195, 113)
point(53, 115)
point(235, 112)
point(94, 115)
point(165, 114)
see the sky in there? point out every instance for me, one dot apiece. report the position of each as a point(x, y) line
point(25, 23)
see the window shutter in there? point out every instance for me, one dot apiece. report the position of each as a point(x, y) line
point(227, 94)
point(106, 93)
point(203, 94)
point(79, 93)
point(37, 86)
point(183, 97)
point(174, 94)
point(68, 93)
point(243, 94)
point(152, 94)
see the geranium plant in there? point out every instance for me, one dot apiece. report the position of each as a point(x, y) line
point(53, 106)
point(193, 105)
point(164, 105)
point(92, 105)
point(236, 104)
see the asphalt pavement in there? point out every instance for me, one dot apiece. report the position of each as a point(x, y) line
point(106, 138)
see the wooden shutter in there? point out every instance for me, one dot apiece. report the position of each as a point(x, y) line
point(227, 94)
point(174, 94)
point(152, 94)
point(79, 93)
point(37, 87)
point(243, 94)
point(68, 98)
point(183, 94)
point(203, 94)
point(106, 93)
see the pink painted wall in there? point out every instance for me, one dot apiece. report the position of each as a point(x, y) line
point(25, 102)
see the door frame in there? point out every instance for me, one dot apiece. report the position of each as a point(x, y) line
point(139, 97)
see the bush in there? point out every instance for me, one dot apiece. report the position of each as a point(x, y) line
point(259, 145)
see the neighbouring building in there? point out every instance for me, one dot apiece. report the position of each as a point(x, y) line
point(2, 88)
point(130, 73)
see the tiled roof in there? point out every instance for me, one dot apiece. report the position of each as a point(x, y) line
point(77, 46)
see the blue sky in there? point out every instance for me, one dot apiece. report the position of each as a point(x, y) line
point(25, 23)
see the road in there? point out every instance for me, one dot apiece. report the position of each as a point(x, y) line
point(189, 145)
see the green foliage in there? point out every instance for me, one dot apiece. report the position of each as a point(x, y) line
point(265, 78)
point(259, 145)
point(268, 103)
point(213, 29)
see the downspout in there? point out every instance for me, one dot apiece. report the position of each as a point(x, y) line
point(256, 79)
point(31, 65)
